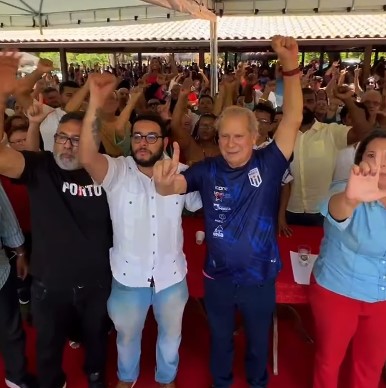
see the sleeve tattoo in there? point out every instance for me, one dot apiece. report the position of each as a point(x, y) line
point(96, 128)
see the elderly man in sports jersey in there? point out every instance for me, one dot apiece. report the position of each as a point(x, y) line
point(240, 193)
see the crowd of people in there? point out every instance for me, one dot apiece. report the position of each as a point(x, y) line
point(96, 174)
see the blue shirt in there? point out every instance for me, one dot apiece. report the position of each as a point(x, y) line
point(241, 210)
point(352, 259)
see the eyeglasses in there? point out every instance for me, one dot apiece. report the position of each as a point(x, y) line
point(150, 138)
point(63, 139)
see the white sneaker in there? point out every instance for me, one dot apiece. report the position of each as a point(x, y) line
point(10, 384)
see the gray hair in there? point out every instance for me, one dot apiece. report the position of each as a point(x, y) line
point(253, 125)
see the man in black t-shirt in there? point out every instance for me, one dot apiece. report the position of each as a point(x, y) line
point(71, 233)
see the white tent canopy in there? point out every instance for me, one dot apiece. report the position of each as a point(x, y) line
point(32, 13)
point(53, 13)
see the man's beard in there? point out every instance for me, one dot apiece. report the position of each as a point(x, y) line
point(66, 164)
point(308, 116)
point(155, 157)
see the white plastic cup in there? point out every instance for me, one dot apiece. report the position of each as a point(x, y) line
point(200, 237)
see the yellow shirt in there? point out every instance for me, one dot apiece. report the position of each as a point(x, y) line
point(314, 164)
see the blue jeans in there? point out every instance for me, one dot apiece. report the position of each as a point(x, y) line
point(256, 304)
point(128, 307)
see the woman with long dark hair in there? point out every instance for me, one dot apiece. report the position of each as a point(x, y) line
point(348, 299)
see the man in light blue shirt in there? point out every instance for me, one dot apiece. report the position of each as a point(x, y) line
point(12, 339)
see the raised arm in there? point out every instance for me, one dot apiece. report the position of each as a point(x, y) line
point(285, 136)
point(11, 161)
point(173, 68)
point(205, 81)
point(357, 85)
point(78, 98)
point(183, 138)
point(24, 86)
point(361, 127)
point(36, 114)
point(101, 86)
point(362, 186)
point(123, 120)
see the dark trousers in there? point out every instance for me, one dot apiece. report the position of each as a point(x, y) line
point(256, 304)
point(304, 219)
point(53, 312)
point(12, 338)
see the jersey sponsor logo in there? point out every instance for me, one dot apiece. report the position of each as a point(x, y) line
point(221, 208)
point(218, 232)
point(255, 177)
point(221, 219)
point(82, 191)
point(218, 196)
point(221, 188)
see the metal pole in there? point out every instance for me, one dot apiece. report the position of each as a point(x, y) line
point(213, 59)
point(303, 57)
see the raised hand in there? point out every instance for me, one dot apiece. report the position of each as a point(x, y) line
point(171, 58)
point(166, 170)
point(252, 79)
point(101, 86)
point(287, 51)
point(135, 95)
point(9, 64)
point(36, 112)
point(187, 85)
point(363, 184)
point(343, 93)
point(45, 66)
point(164, 111)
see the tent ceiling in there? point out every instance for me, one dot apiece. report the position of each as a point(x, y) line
point(28, 13)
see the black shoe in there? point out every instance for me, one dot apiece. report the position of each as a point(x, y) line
point(24, 296)
point(96, 380)
point(29, 381)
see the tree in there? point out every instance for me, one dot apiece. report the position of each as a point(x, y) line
point(76, 58)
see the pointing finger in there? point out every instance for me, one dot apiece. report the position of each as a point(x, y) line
point(176, 154)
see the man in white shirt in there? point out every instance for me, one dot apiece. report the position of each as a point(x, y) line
point(316, 149)
point(50, 124)
point(147, 261)
point(345, 157)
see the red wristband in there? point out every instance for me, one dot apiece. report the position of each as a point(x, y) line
point(291, 72)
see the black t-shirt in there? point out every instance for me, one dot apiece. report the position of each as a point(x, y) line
point(71, 225)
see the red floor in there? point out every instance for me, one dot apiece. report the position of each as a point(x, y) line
point(295, 356)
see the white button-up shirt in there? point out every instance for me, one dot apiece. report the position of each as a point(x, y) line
point(50, 125)
point(147, 227)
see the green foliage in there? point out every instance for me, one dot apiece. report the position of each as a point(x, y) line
point(75, 58)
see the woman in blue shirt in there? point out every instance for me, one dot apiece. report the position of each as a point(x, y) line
point(348, 299)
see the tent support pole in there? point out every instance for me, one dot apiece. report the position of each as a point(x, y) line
point(213, 59)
